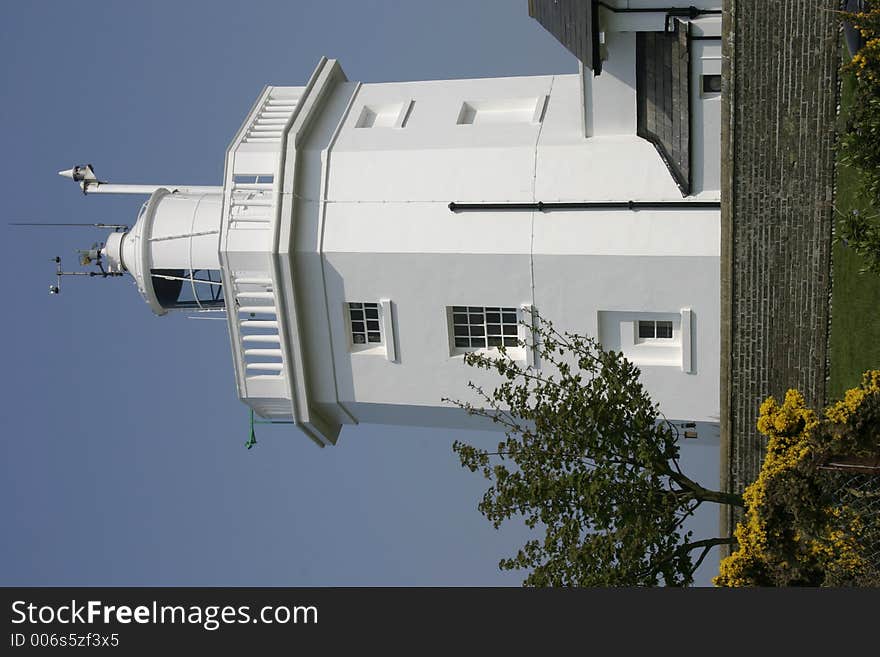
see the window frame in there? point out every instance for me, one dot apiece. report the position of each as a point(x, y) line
point(705, 84)
point(514, 350)
point(654, 339)
point(367, 346)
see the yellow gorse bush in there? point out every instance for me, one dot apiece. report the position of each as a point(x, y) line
point(866, 62)
point(842, 411)
point(788, 535)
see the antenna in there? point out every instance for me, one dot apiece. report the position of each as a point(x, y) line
point(91, 256)
point(117, 228)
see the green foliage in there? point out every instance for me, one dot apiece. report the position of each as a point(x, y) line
point(588, 459)
point(860, 143)
point(860, 232)
point(854, 342)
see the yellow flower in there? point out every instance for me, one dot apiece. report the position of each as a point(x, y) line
point(765, 550)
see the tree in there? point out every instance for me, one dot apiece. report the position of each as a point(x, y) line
point(802, 527)
point(860, 141)
point(589, 458)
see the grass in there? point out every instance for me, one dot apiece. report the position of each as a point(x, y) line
point(855, 310)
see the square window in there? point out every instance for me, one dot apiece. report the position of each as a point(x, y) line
point(364, 325)
point(711, 84)
point(486, 327)
point(646, 329)
point(654, 330)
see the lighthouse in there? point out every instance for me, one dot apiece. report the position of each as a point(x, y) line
point(366, 236)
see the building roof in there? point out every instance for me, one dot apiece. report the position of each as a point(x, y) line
point(575, 24)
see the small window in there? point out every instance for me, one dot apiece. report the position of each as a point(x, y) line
point(711, 84)
point(482, 327)
point(655, 330)
point(366, 329)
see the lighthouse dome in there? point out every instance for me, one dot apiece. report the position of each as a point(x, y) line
point(172, 251)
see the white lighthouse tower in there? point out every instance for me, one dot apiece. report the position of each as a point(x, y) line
point(366, 236)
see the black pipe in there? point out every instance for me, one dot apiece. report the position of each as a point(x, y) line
point(594, 38)
point(541, 206)
point(690, 12)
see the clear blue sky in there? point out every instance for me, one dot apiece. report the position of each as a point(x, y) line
point(123, 458)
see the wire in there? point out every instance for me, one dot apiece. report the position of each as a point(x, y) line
point(34, 223)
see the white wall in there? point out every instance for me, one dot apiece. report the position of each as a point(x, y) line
point(569, 289)
point(186, 232)
point(386, 233)
point(706, 116)
point(613, 92)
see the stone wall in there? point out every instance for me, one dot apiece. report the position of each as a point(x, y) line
point(778, 133)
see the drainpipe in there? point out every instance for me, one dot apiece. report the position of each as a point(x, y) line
point(541, 206)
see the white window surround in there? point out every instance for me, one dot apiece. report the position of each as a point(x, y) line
point(393, 115)
point(369, 318)
point(687, 343)
point(619, 331)
point(709, 66)
point(503, 110)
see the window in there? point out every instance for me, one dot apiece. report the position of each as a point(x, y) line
point(481, 327)
point(655, 330)
point(364, 322)
point(711, 84)
point(188, 288)
point(649, 337)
